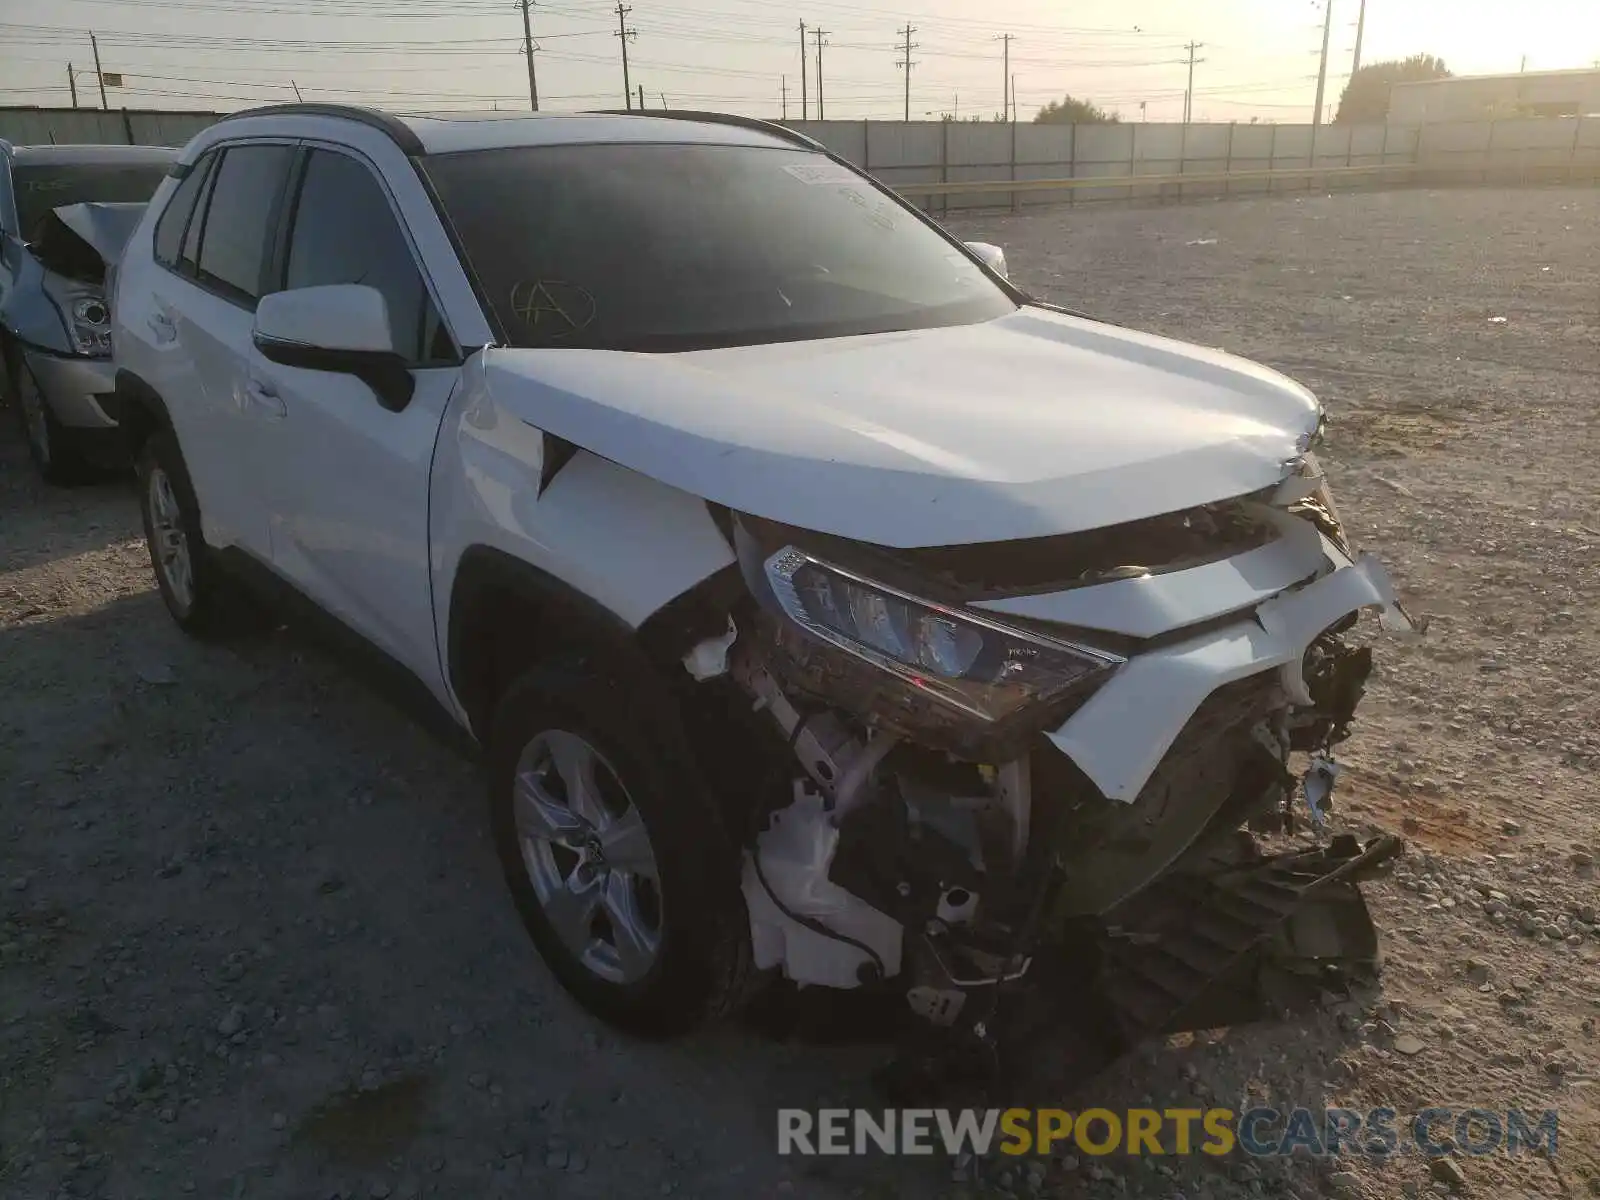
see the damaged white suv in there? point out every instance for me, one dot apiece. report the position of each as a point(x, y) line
point(823, 605)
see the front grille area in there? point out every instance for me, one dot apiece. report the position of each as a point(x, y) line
point(1175, 541)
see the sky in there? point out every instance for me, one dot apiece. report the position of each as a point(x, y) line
point(1257, 59)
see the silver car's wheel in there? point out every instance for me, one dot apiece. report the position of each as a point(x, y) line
point(169, 541)
point(588, 856)
point(35, 420)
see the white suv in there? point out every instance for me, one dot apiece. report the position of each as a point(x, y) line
point(820, 602)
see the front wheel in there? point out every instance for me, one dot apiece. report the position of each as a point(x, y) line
point(198, 595)
point(614, 852)
point(54, 448)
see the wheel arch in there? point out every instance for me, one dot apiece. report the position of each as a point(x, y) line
point(506, 614)
point(143, 410)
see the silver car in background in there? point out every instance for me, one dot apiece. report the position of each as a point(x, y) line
point(65, 214)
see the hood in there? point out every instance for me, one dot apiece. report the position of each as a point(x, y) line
point(81, 241)
point(1029, 425)
point(106, 227)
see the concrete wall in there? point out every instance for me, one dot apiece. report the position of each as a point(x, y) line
point(42, 126)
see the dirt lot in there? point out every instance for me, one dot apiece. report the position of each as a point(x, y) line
point(253, 942)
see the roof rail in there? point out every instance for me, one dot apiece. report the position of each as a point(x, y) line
point(718, 118)
point(398, 131)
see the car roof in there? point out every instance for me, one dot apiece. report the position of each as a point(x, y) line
point(452, 132)
point(89, 155)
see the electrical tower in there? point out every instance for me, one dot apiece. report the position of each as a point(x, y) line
point(626, 35)
point(818, 35)
point(905, 62)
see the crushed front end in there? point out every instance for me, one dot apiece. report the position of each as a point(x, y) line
point(1022, 778)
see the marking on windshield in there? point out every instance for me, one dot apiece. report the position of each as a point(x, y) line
point(812, 174)
point(553, 308)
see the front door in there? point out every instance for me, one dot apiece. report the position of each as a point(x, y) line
point(348, 496)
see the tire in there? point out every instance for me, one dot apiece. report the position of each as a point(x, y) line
point(198, 594)
point(54, 448)
point(688, 960)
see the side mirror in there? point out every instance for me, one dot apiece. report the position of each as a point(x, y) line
point(993, 257)
point(340, 327)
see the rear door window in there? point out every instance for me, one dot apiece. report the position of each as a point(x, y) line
point(240, 219)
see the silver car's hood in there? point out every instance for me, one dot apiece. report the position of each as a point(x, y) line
point(1032, 424)
point(105, 226)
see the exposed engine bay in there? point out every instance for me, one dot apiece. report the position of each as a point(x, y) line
point(1000, 790)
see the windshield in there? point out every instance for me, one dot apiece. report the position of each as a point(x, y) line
point(676, 247)
point(44, 187)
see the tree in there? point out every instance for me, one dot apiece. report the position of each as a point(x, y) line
point(1366, 96)
point(1072, 111)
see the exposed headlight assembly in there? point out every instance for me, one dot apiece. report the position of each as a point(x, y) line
point(91, 326)
point(982, 668)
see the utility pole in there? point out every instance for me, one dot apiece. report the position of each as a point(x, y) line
point(804, 104)
point(908, 46)
point(98, 74)
point(626, 34)
point(1188, 94)
point(819, 34)
point(72, 83)
point(1005, 82)
point(1361, 29)
point(641, 97)
point(783, 90)
point(1013, 99)
point(1322, 70)
point(527, 48)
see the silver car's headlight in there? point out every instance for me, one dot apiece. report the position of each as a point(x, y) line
point(982, 668)
point(91, 326)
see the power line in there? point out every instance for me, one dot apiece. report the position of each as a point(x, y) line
point(905, 62)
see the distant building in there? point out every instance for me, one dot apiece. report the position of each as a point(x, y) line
point(1491, 97)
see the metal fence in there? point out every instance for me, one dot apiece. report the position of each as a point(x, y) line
point(953, 165)
point(127, 126)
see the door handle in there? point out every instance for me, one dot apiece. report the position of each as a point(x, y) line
point(264, 398)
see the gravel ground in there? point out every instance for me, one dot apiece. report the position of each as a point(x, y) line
point(253, 942)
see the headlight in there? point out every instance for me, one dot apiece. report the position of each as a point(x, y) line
point(91, 326)
point(975, 665)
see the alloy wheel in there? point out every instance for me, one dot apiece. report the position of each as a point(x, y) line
point(170, 542)
point(588, 855)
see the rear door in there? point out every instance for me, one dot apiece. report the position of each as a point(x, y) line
point(205, 308)
point(347, 498)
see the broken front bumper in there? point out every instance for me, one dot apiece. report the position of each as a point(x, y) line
point(1120, 734)
point(79, 391)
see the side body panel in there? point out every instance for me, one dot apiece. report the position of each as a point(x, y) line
point(626, 541)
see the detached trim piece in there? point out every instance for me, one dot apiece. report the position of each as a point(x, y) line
point(397, 130)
